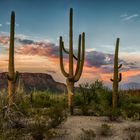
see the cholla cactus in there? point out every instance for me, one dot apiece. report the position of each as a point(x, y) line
point(11, 76)
point(117, 76)
point(71, 76)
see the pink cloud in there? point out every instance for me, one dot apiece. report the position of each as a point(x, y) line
point(43, 57)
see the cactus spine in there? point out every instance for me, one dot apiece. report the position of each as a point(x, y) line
point(117, 76)
point(12, 75)
point(72, 76)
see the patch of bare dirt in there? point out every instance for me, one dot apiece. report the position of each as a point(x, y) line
point(72, 128)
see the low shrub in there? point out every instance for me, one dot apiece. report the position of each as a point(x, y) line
point(26, 120)
point(87, 134)
point(105, 130)
point(132, 133)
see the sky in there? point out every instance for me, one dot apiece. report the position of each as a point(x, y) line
point(39, 23)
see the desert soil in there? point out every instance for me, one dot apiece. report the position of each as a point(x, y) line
point(71, 128)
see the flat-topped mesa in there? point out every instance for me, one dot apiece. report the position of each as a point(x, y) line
point(117, 76)
point(12, 75)
point(71, 76)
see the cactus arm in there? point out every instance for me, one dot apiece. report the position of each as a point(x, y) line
point(61, 58)
point(71, 44)
point(7, 75)
point(67, 52)
point(79, 55)
point(119, 66)
point(111, 80)
point(120, 77)
point(77, 76)
point(15, 76)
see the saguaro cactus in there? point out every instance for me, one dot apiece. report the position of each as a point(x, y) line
point(117, 76)
point(71, 76)
point(12, 75)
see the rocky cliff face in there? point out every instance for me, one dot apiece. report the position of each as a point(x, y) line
point(38, 81)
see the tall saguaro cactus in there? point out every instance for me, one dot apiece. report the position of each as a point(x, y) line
point(117, 76)
point(71, 76)
point(12, 75)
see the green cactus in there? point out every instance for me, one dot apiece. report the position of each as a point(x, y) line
point(12, 75)
point(71, 76)
point(117, 77)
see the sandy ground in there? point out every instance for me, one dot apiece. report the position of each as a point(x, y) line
point(71, 129)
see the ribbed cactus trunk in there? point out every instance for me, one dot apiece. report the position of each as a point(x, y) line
point(70, 84)
point(12, 76)
point(70, 88)
point(71, 76)
point(117, 77)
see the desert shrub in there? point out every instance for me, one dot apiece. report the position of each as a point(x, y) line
point(40, 99)
point(44, 120)
point(87, 134)
point(96, 99)
point(77, 99)
point(87, 96)
point(44, 99)
point(135, 99)
point(113, 114)
point(21, 103)
point(38, 127)
point(124, 100)
point(132, 111)
point(105, 130)
point(83, 98)
point(93, 99)
point(25, 120)
point(132, 133)
point(12, 124)
point(3, 99)
point(129, 106)
point(57, 113)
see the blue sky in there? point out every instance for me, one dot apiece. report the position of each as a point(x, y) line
point(101, 20)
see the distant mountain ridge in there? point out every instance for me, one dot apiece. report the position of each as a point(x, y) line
point(43, 81)
point(38, 81)
point(130, 85)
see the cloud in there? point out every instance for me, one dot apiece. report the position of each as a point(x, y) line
point(51, 50)
point(38, 48)
point(4, 40)
point(124, 15)
point(0, 25)
point(25, 41)
point(128, 17)
point(98, 59)
point(41, 56)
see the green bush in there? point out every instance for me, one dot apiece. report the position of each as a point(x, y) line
point(31, 120)
point(93, 99)
point(87, 134)
point(96, 99)
point(57, 113)
point(132, 111)
point(105, 130)
point(132, 132)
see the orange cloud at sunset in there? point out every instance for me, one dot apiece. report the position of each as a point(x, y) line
point(43, 57)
